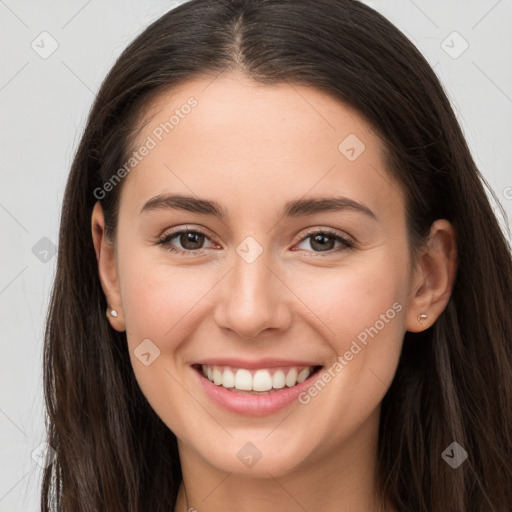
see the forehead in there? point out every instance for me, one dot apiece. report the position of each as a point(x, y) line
point(244, 142)
point(232, 101)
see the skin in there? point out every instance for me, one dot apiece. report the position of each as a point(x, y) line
point(251, 148)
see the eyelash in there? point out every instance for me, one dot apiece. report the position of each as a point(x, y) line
point(164, 241)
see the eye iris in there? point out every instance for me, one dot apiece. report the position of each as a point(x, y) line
point(191, 237)
point(320, 238)
point(192, 240)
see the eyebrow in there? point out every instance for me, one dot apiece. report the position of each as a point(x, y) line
point(295, 208)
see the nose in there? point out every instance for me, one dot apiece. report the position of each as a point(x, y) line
point(254, 299)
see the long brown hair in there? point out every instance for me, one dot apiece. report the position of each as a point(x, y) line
point(454, 380)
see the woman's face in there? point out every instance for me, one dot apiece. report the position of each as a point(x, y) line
point(262, 288)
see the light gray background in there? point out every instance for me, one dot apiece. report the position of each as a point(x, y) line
point(44, 103)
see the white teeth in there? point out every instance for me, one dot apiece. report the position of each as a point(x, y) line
point(303, 375)
point(217, 376)
point(262, 381)
point(243, 380)
point(258, 381)
point(228, 379)
point(278, 380)
point(291, 378)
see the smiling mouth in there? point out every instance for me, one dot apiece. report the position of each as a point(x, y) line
point(262, 381)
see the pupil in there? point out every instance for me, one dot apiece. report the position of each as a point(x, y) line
point(321, 240)
point(191, 238)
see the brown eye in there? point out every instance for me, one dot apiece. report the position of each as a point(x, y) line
point(325, 240)
point(191, 240)
point(186, 241)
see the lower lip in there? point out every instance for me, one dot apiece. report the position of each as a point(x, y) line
point(254, 405)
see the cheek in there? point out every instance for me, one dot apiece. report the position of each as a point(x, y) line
point(362, 313)
point(355, 297)
point(160, 301)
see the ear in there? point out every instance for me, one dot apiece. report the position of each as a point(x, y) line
point(107, 269)
point(433, 277)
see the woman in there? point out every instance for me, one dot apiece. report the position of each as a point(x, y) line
point(207, 348)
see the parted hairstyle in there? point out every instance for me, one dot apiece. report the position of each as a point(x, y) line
point(453, 381)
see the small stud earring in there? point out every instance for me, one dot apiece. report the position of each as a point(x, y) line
point(113, 313)
point(421, 318)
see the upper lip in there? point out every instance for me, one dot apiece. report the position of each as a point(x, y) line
point(259, 363)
